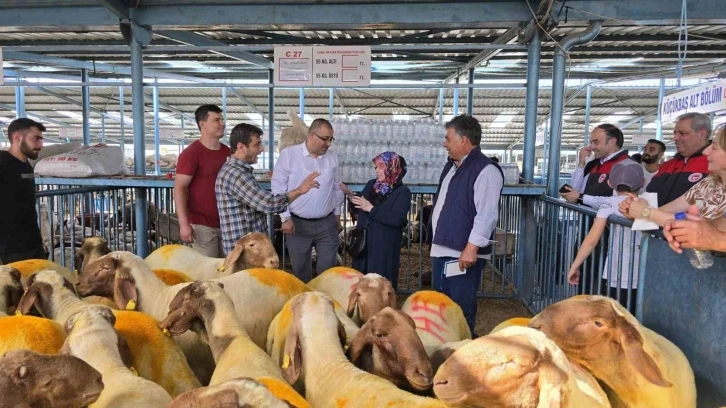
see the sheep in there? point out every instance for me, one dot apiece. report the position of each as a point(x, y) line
point(32, 380)
point(438, 319)
point(643, 368)
point(92, 338)
point(91, 249)
point(152, 354)
point(515, 321)
point(207, 309)
point(516, 367)
point(444, 351)
point(365, 295)
point(314, 347)
point(11, 289)
point(387, 345)
point(172, 277)
point(129, 280)
point(253, 250)
point(235, 393)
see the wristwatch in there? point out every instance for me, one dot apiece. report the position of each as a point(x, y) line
point(283, 219)
point(645, 213)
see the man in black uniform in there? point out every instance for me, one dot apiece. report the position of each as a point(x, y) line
point(20, 237)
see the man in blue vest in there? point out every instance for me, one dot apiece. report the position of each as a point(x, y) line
point(466, 208)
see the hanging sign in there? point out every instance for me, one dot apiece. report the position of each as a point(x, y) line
point(70, 133)
point(172, 133)
point(707, 98)
point(323, 66)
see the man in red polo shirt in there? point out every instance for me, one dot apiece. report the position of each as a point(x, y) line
point(196, 173)
point(689, 165)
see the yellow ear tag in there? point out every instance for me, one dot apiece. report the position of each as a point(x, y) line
point(131, 305)
point(286, 361)
point(75, 271)
point(166, 332)
point(133, 370)
point(220, 268)
point(18, 313)
point(345, 348)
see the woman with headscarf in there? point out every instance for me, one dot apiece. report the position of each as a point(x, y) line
point(382, 208)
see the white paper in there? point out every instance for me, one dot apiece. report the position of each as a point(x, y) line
point(644, 225)
point(451, 268)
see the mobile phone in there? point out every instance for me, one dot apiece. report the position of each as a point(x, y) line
point(563, 189)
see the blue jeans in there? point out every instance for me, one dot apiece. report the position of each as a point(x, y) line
point(461, 288)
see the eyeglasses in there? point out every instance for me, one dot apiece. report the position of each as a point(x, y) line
point(325, 139)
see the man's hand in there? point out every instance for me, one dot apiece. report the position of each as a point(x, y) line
point(624, 207)
point(288, 227)
point(186, 233)
point(636, 207)
point(573, 276)
point(583, 155)
point(309, 182)
point(571, 195)
point(468, 256)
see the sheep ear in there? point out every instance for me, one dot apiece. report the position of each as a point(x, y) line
point(78, 260)
point(551, 380)
point(15, 274)
point(358, 344)
point(550, 396)
point(124, 289)
point(352, 303)
point(292, 360)
point(28, 300)
point(124, 351)
point(632, 344)
point(233, 256)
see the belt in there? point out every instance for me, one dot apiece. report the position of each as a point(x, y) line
point(311, 219)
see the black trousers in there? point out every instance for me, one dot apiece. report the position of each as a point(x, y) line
point(34, 253)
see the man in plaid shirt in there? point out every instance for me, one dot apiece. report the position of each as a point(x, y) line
point(243, 205)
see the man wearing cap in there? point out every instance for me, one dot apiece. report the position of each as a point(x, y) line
point(626, 177)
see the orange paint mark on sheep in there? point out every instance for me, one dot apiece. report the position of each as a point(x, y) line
point(284, 391)
point(29, 332)
point(429, 325)
point(426, 307)
point(171, 276)
point(30, 266)
point(341, 402)
point(287, 284)
point(168, 250)
point(285, 317)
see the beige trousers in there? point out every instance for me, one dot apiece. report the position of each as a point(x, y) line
point(207, 241)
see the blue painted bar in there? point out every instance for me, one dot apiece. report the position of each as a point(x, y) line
point(659, 121)
point(157, 169)
point(687, 306)
point(137, 97)
point(19, 100)
point(588, 102)
point(86, 101)
point(470, 94)
point(530, 112)
point(302, 104)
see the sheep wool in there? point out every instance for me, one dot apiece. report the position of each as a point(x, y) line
point(337, 282)
point(172, 277)
point(438, 319)
point(29, 332)
point(515, 321)
point(31, 266)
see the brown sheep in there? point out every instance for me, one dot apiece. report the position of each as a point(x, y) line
point(236, 393)
point(32, 380)
point(11, 289)
point(369, 296)
point(92, 249)
point(387, 345)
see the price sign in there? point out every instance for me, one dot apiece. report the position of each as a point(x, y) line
point(70, 133)
point(171, 133)
point(323, 66)
point(293, 66)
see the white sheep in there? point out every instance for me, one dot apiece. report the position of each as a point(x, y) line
point(206, 308)
point(152, 354)
point(254, 250)
point(516, 367)
point(365, 295)
point(32, 380)
point(235, 393)
point(92, 338)
point(514, 321)
point(314, 347)
point(438, 319)
point(258, 295)
point(642, 367)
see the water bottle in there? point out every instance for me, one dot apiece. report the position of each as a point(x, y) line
point(699, 259)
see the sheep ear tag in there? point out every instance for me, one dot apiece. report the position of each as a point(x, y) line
point(286, 361)
point(220, 268)
point(131, 305)
point(166, 332)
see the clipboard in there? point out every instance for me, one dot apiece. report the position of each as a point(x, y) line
point(451, 268)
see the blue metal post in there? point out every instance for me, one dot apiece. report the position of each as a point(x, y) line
point(271, 137)
point(86, 100)
point(530, 110)
point(640, 148)
point(137, 98)
point(659, 121)
point(441, 106)
point(455, 102)
point(121, 118)
point(157, 139)
point(224, 104)
point(103, 128)
point(183, 141)
point(19, 99)
point(331, 103)
point(470, 94)
point(588, 103)
point(302, 104)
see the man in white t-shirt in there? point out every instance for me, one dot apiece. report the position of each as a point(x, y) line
point(626, 177)
point(650, 160)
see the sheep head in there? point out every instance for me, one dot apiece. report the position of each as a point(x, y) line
point(190, 305)
point(516, 367)
point(387, 345)
point(40, 291)
point(92, 249)
point(307, 305)
point(370, 295)
point(108, 276)
point(38, 380)
point(254, 250)
point(95, 324)
point(11, 289)
point(239, 392)
point(596, 332)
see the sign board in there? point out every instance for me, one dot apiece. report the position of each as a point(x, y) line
point(71, 132)
point(323, 66)
point(640, 139)
point(539, 141)
point(171, 133)
point(707, 98)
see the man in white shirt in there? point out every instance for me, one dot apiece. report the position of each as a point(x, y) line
point(650, 160)
point(313, 219)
